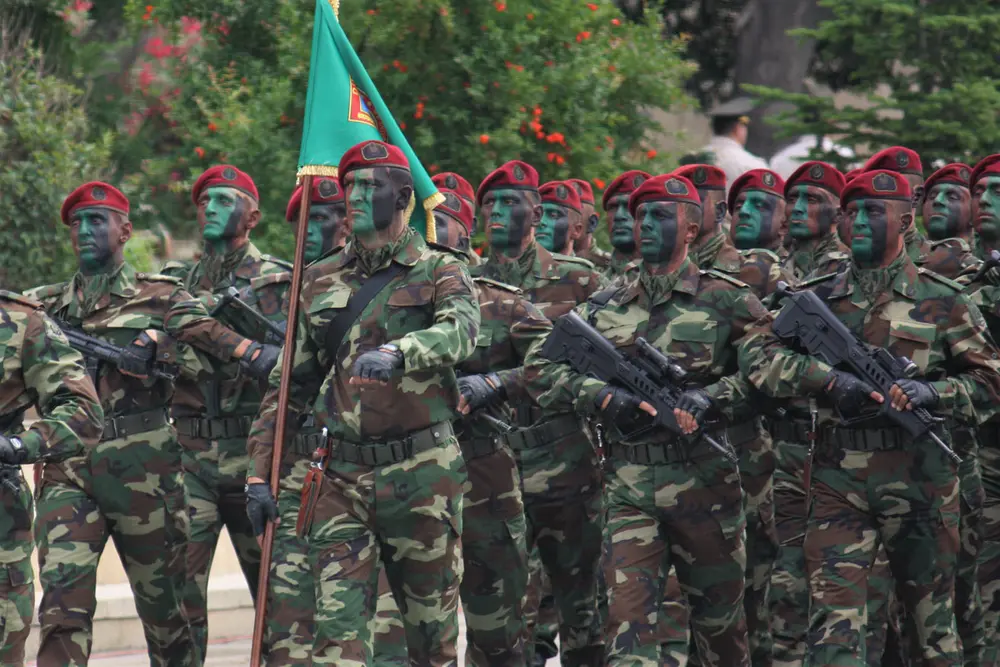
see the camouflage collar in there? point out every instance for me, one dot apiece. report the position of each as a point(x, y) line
point(408, 253)
point(842, 285)
point(718, 253)
point(688, 279)
point(545, 264)
point(960, 244)
point(906, 280)
point(122, 284)
point(248, 266)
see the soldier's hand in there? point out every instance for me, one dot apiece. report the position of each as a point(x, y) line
point(909, 394)
point(376, 366)
point(12, 451)
point(137, 358)
point(850, 392)
point(616, 403)
point(691, 408)
point(478, 391)
point(261, 507)
point(259, 359)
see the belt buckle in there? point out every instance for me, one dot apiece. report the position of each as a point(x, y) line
point(398, 449)
point(113, 423)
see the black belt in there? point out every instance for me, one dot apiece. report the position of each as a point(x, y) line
point(123, 426)
point(473, 448)
point(217, 428)
point(542, 434)
point(742, 433)
point(388, 452)
point(790, 431)
point(659, 453)
point(307, 443)
point(864, 439)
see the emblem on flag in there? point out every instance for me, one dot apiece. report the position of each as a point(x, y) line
point(361, 111)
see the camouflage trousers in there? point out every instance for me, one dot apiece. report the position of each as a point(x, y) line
point(291, 594)
point(17, 588)
point(907, 499)
point(408, 516)
point(214, 478)
point(688, 516)
point(564, 508)
point(989, 556)
point(130, 490)
point(547, 623)
point(496, 571)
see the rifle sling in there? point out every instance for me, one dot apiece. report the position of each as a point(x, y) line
point(342, 323)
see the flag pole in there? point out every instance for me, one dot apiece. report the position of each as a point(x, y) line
point(281, 420)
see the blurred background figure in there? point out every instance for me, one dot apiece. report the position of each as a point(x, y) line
point(730, 129)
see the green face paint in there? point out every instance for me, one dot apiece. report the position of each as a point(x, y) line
point(755, 224)
point(95, 235)
point(986, 199)
point(813, 211)
point(326, 229)
point(553, 229)
point(371, 199)
point(622, 224)
point(220, 211)
point(659, 230)
point(871, 231)
point(947, 211)
point(451, 232)
point(507, 214)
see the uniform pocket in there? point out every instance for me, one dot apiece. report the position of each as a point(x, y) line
point(912, 340)
point(411, 308)
point(692, 342)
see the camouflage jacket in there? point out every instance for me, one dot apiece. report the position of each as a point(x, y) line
point(953, 258)
point(510, 324)
point(229, 392)
point(430, 312)
point(39, 370)
point(597, 256)
point(617, 265)
point(816, 258)
point(555, 287)
point(761, 270)
point(695, 321)
point(718, 253)
point(917, 245)
point(917, 314)
point(136, 302)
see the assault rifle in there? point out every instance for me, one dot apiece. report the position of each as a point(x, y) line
point(93, 348)
point(274, 332)
point(992, 262)
point(804, 319)
point(650, 375)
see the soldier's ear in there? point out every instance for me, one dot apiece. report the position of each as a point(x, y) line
point(918, 195)
point(536, 215)
point(720, 212)
point(253, 219)
point(905, 220)
point(592, 223)
point(126, 230)
point(403, 197)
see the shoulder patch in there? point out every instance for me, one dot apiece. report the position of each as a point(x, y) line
point(723, 276)
point(274, 260)
point(158, 278)
point(815, 281)
point(496, 283)
point(936, 277)
point(573, 259)
point(20, 298)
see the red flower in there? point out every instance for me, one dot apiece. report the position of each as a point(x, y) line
point(484, 139)
point(650, 154)
point(612, 68)
point(443, 11)
point(616, 22)
point(402, 125)
point(501, 6)
point(372, 12)
point(580, 36)
point(599, 183)
point(539, 135)
point(591, 6)
point(549, 63)
point(536, 126)
point(555, 138)
point(212, 127)
point(530, 17)
point(199, 151)
point(157, 48)
point(560, 160)
point(434, 169)
point(537, 111)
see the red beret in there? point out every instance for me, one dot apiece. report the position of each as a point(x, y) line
point(666, 187)
point(878, 184)
point(704, 176)
point(989, 165)
point(625, 184)
point(224, 176)
point(94, 195)
point(458, 207)
point(325, 190)
point(513, 175)
point(817, 174)
point(899, 159)
point(561, 193)
point(764, 180)
point(369, 154)
point(449, 180)
point(852, 174)
point(583, 189)
point(955, 172)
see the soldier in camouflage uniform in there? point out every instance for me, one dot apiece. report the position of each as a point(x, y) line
point(947, 214)
point(386, 391)
point(213, 416)
point(907, 162)
point(40, 370)
point(986, 213)
point(562, 217)
point(620, 223)
point(129, 486)
point(666, 495)
point(584, 245)
point(758, 221)
point(559, 469)
point(812, 200)
point(291, 599)
point(870, 482)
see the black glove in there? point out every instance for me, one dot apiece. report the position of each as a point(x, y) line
point(482, 390)
point(12, 451)
point(261, 507)
point(378, 364)
point(695, 402)
point(622, 406)
point(137, 358)
point(920, 393)
point(261, 366)
point(851, 393)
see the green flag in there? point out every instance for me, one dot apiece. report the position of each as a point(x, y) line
point(343, 108)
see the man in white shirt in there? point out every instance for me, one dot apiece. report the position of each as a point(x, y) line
point(730, 123)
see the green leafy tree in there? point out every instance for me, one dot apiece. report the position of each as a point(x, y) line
point(926, 71)
point(565, 85)
point(48, 149)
